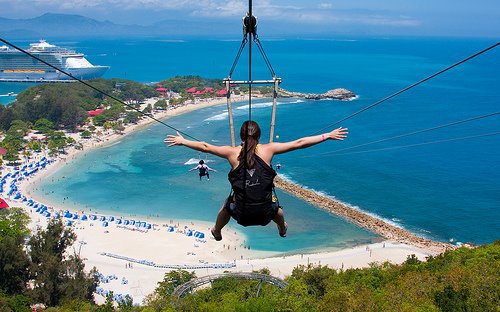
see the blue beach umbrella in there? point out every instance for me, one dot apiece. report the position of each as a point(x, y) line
point(84, 218)
point(118, 221)
point(105, 223)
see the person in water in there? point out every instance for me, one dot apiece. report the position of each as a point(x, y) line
point(203, 169)
point(251, 175)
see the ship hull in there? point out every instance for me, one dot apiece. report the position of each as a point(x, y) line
point(41, 75)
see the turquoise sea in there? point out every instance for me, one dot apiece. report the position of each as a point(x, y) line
point(439, 187)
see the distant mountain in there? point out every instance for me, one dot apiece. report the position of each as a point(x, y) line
point(67, 25)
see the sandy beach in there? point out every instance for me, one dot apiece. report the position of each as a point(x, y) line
point(133, 259)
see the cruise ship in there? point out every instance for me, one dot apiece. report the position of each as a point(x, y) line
point(20, 67)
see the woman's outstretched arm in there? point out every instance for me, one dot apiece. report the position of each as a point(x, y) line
point(280, 148)
point(221, 151)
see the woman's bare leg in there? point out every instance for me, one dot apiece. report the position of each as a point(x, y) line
point(223, 218)
point(279, 219)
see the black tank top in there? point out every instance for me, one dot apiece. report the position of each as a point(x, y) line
point(252, 186)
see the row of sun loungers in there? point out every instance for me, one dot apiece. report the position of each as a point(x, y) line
point(173, 266)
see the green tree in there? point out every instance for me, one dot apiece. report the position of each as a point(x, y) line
point(44, 125)
point(14, 262)
point(86, 134)
point(56, 276)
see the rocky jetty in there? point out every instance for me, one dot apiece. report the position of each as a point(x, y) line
point(360, 218)
point(335, 94)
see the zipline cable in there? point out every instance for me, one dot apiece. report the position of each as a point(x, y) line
point(423, 143)
point(407, 134)
point(96, 89)
point(409, 87)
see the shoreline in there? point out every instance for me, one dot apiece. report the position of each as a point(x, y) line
point(176, 248)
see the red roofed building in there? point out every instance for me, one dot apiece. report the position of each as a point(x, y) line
point(221, 92)
point(3, 151)
point(162, 91)
point(96, 112)
point(208, 90)
point(191, 90)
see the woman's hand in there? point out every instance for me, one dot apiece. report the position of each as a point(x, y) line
point(338, 134)
point(172, 140)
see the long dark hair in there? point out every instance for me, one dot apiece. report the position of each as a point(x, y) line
point(250, 135)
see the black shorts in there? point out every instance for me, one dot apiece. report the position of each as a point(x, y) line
point(251, 214)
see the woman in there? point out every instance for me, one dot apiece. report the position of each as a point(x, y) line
point(251, 175)
point(203, 169)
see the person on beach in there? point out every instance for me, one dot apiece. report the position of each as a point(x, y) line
point(203, 169)
point(251, 175)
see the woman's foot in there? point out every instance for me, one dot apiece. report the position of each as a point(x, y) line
point(283, 230)
point(218, 236)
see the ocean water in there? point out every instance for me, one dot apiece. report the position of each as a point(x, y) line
point(447, 191)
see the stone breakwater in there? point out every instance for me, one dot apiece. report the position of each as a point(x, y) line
point(335, 94)
point(364, 220)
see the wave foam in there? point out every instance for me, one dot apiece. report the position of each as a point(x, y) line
point(195, 161)
point(218, 117)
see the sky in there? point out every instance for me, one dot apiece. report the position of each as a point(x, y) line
point(478, 18)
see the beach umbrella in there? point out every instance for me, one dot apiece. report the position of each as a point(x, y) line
point(3, 204)
point(68, 223)
point(105, 223)
point(189, 233)
point(75, 216)
point(102, 218)
point(201, 235)
point(148, 226)
point(118, 221)
point(170, 228)
point(126, 222)
point(84, 218)
point(93, 217)
point(111, 218)
point(18, 195)
point(132, 222)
